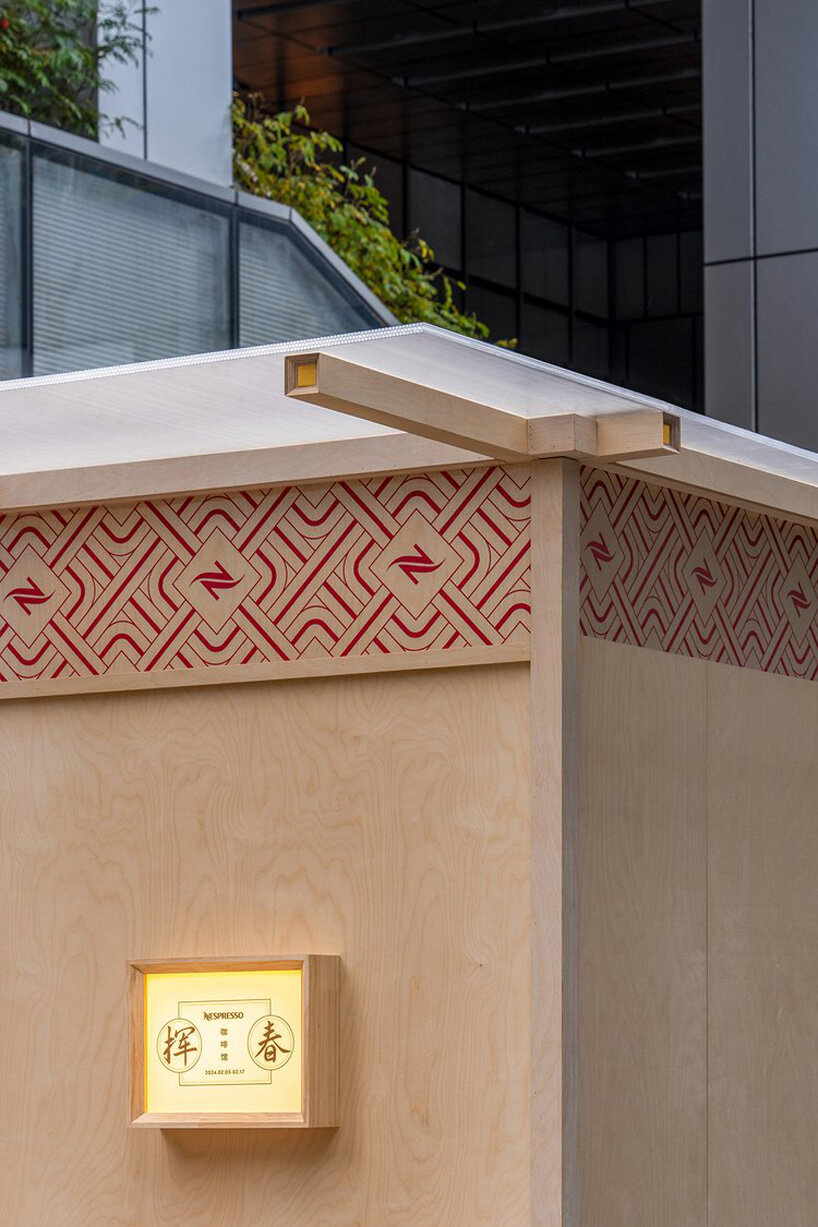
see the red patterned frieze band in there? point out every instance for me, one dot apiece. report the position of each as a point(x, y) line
point(390, 565)
point(668, 570)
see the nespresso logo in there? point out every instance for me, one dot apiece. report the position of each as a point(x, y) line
point(223, 1014)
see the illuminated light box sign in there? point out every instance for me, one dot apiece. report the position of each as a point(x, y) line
point(234, 1043)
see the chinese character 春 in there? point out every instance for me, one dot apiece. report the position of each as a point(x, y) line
point(223, 1031)
point(270, 1045)
point(177, 1044)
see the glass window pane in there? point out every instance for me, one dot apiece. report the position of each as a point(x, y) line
point(490, 239)
point(590, 274)
point(546, 334)
point(11, 283)
point(662, 274)
point(629, 272)
point(661, 359)
point(698, 356)
point(545, 252)
point(591, 354)
point(434, 207)
point(388, 176)
point(494, 308)
point(122, 274)
point(691, 273)
point(285, 296)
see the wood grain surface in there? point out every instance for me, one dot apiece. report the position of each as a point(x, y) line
point(382, 818)
point(403, 404)
point(763, 772)
point(643, 1009)
point(699, 1085)
point(272, 671)
point(293, 464)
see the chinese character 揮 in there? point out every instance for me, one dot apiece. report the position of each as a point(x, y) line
point(179, 1045)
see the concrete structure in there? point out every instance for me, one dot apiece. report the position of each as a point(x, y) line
point(498, 683)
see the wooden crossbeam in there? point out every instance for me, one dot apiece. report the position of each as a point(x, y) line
point(337, 383)
point(404, 405)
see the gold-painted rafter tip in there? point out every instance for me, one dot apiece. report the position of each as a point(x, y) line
point(306, 374)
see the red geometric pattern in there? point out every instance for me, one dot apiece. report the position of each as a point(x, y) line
point(668, 570)
point(389, 565)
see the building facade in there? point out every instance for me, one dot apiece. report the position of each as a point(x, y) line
point(585, 173)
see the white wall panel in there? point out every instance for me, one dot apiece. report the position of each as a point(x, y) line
point(178, 96)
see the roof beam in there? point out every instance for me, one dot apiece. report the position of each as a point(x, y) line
point(290, 464)
point(337, 383)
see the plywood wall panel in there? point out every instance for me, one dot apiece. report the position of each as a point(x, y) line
point(384, 819)
point(763, 773)
point(642, 858)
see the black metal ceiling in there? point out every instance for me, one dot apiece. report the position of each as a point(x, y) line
point(588, 110)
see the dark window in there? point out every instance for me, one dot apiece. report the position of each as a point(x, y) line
point(546, 334)
point(491, 239)
point(662, 274)
point(494, 308)
point(629, 276)
point(545, 256)
point(434, 211)
point(11, 269)
point(590, 274)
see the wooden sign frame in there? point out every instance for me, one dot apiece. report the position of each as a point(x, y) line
point(320, 1044)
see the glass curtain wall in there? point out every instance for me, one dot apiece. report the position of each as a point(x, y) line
point(102, 266)
point(121, 274)
point(283, 293)
point(12, 270)
point(628, 310)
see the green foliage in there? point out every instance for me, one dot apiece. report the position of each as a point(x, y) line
point(53, 55)
point(279, 157)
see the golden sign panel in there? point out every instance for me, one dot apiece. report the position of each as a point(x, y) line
point(241, 1043)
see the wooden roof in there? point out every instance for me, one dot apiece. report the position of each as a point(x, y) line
point(223, 420)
